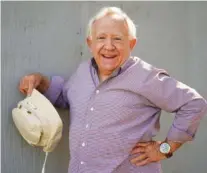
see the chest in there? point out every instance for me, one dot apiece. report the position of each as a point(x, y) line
point(110, 102)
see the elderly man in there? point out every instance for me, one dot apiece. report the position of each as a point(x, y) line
point(115, 101)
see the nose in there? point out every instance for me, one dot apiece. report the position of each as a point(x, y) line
point(109, 44)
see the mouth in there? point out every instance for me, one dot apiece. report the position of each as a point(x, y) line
point(108, 56)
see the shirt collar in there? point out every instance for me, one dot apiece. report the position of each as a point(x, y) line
point(117, 71)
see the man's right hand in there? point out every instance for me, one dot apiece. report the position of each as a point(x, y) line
point(35, 80)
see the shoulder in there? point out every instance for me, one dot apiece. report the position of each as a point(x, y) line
point(83, 66)
point(143, 65)
point(146, 68)
point(144, 71)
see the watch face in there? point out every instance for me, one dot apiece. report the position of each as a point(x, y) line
point(165, 148)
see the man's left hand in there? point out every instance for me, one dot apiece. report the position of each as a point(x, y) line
point(149, 152)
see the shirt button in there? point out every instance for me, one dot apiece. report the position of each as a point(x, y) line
point(92, 109)
point(82, 162)
point(83, 144)
point(97, 91)
point(87, 125)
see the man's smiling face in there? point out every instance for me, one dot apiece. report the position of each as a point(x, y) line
point(110, 43)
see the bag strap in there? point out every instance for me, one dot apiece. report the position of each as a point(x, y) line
point(43, 167)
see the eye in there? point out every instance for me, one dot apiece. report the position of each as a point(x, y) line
point(101, 38)
point(117, 38)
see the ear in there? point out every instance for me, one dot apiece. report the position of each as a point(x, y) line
point(133, 43)
point(89, 43)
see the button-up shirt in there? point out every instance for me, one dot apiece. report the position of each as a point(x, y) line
point(108, 118)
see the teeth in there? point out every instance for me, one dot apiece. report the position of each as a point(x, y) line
point(108, 56)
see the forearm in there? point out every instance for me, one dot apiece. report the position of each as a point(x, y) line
point(187, 120)
point(57, 92)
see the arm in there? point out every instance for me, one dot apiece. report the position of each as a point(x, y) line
point(172, 96)
point(56, 91)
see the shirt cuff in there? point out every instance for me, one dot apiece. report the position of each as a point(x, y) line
point(55, 88)
point(178, 135)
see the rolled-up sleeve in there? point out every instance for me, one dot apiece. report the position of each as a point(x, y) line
point(57, 92)
point(173, 96)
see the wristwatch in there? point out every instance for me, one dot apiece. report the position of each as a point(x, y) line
point(165, 149)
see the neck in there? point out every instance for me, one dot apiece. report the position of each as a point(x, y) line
point(103, 76)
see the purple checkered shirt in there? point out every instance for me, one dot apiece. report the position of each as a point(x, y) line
point(107, 119)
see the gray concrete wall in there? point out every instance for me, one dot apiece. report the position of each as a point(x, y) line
point(49, 37)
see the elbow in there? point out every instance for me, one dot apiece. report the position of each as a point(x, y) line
point(205, 106)
point(196, 108)
point(202, 105)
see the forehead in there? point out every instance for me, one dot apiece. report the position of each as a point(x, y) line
point(111, 24)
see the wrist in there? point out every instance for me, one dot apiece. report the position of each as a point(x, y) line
point(165, 149)
point(44, 84)
point(168, 147)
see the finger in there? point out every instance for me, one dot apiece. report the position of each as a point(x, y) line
point(139, 158)
point(142, 144)
point(23, 87)
point(138, 150)
point(36, 83)
point(31, 87)
point(143, 162)
point(22, 91)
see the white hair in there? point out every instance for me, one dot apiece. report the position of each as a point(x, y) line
point(109, 11)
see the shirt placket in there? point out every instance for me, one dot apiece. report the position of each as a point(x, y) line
point(90, 113)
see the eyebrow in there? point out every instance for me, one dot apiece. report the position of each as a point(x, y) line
point(114, 35)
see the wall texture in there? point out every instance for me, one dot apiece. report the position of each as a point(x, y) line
point(49, 37)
